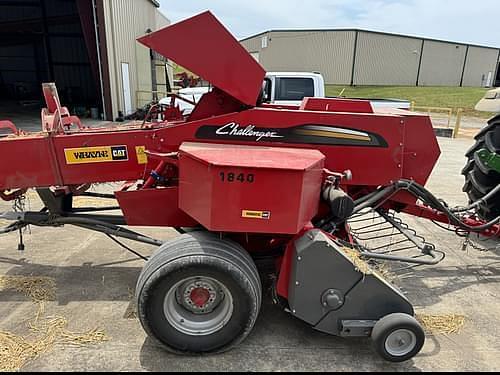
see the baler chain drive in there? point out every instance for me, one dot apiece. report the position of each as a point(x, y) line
point(318, 191)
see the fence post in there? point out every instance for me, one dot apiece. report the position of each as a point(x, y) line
point(458, 123)
point(412, 106)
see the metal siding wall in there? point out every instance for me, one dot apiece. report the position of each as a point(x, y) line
point(253, 44)
point(480, 61)
point(327, 52)
point(386, 60)
point(126, 21)
point(442, 64)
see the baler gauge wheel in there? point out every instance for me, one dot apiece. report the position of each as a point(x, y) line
point(398, 337)
point(199, 294)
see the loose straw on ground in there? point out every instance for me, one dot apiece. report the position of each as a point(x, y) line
point(445, 324)
point(79, 202)
point(45, 332)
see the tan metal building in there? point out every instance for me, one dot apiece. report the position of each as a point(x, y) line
point(133, 71)
point(361, 57)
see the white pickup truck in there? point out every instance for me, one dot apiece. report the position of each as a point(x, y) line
point(284, 88)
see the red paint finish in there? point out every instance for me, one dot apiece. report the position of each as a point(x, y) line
point(212, 53)
point(411, 150)
point(250, 189)
point(286, 264)
point(215, 103)
point(428, 213)
point(336, 105)
point(200, 296)
point(153, 207)
point(25, 162)
point(370, 165)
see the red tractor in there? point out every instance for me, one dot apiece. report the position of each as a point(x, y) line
point(247, 183)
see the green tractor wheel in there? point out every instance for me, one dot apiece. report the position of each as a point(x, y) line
point(482, 171)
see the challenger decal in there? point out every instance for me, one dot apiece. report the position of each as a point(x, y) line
point(235, 129)
point(304, 134)
point(100, 154)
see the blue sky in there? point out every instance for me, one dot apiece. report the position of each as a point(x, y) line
point(455, 20)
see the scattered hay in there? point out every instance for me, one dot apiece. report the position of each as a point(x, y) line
point(15, 351)
point(32, 194)
point(54, 331)
point(45, 332)
point(359, 263)
point(39, 289)
point(445, 324)
point(385, 271)
point(381, 269)
point(80, 202)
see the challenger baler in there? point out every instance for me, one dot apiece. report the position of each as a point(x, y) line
point(308, 189)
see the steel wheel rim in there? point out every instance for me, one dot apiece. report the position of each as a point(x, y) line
point(192, 319)
point(400, 342)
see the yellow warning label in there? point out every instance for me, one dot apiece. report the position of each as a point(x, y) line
point(266, 215)
point(142, 158)
point(101, 154)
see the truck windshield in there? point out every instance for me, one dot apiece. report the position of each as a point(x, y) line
point(294, 88)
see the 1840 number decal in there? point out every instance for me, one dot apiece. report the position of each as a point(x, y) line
point(237, 177)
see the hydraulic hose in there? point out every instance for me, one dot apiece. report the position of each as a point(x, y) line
point(477, 203)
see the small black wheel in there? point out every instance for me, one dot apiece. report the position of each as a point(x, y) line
point(398, 337)
point(199, 294)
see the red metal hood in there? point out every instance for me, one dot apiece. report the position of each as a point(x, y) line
point(204, 46)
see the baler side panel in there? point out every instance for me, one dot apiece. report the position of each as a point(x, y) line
point(87, 170)
point(421, 149)
point(373, 163)
point(43, 161)
point(26, 162)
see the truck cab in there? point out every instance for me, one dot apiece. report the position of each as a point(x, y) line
point(289, 88)
point(284, 88)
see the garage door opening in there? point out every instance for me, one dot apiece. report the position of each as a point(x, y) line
point(47, 41)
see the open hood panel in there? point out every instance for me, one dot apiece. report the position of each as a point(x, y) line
point(205, 47)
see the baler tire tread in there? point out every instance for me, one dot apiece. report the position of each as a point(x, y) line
point(480, 178)
point(181, 257)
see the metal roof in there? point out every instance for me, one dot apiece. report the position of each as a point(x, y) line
point(368, 31)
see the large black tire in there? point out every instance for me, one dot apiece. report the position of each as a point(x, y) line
point(204, 258)
point(480, 179)
point(398, 337)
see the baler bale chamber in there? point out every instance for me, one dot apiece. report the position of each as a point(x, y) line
point(242, 181)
